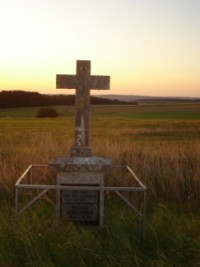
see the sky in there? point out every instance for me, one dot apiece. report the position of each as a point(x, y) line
point(148, 47)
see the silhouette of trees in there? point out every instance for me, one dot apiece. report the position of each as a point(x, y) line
point(9, 99)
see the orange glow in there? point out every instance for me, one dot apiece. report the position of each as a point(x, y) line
point(146, 49)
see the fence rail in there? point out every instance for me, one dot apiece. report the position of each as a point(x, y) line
point(45, 187)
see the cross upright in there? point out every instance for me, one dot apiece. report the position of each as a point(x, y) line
point(82, 82)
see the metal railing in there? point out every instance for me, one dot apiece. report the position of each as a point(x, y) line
point(46, 187)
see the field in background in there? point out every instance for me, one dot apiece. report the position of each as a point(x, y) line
point(162, 145)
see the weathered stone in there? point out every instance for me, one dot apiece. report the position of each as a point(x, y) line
point(81, 164)
point(77, 205)
point(81, 168)
point(84, 151)
point(83, 82)
point(82, 206)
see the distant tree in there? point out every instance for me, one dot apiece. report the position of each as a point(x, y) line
point(46, 113)
point(10, 99)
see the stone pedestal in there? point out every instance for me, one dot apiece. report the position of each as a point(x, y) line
point(81, 206)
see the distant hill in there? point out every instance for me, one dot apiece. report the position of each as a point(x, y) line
point(10, 99)
point(126, 98)
point(149, 99)
point(19, 98)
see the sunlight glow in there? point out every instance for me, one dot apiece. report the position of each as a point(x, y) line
point(147, 49)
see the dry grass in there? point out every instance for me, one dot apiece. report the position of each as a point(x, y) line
point(169, 169)
point(164, 154)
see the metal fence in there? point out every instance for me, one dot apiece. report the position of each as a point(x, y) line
point(118, 190)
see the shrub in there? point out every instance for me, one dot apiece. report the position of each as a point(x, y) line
point(46, 113)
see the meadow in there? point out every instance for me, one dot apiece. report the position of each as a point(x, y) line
point(160, 142)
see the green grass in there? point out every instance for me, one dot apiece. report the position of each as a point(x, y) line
point(140, 112)
point(172, 239)
point(162, 145)
point(164, 115)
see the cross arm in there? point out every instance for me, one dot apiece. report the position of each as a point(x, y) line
point(65, 81)
point(100, 82)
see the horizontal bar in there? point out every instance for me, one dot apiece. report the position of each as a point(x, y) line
point(35, 186)
point(99, 82)
point(64, 81)
point(39, 165)
point(118, 166)
point(89, 188)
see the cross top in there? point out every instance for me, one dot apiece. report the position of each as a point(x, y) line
point(82, 82)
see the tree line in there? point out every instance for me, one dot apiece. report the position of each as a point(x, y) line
point(9, 99)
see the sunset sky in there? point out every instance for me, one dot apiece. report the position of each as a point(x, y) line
point(148, 47)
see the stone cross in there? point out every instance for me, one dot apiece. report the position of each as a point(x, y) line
point(82, 82)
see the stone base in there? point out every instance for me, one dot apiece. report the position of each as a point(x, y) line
point(81, 206)
point(83, 151)
point(80, 164)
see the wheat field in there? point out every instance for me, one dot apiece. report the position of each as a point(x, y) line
point(165, 155)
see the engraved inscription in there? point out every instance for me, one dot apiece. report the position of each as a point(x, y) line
point(80, 206)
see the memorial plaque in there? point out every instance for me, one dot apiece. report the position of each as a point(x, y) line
point(81, 206)
point(81, 168)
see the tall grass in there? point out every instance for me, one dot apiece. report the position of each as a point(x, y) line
point(169, 169)
point(165, 157)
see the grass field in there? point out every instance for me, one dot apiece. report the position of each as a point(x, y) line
point(161, 143)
